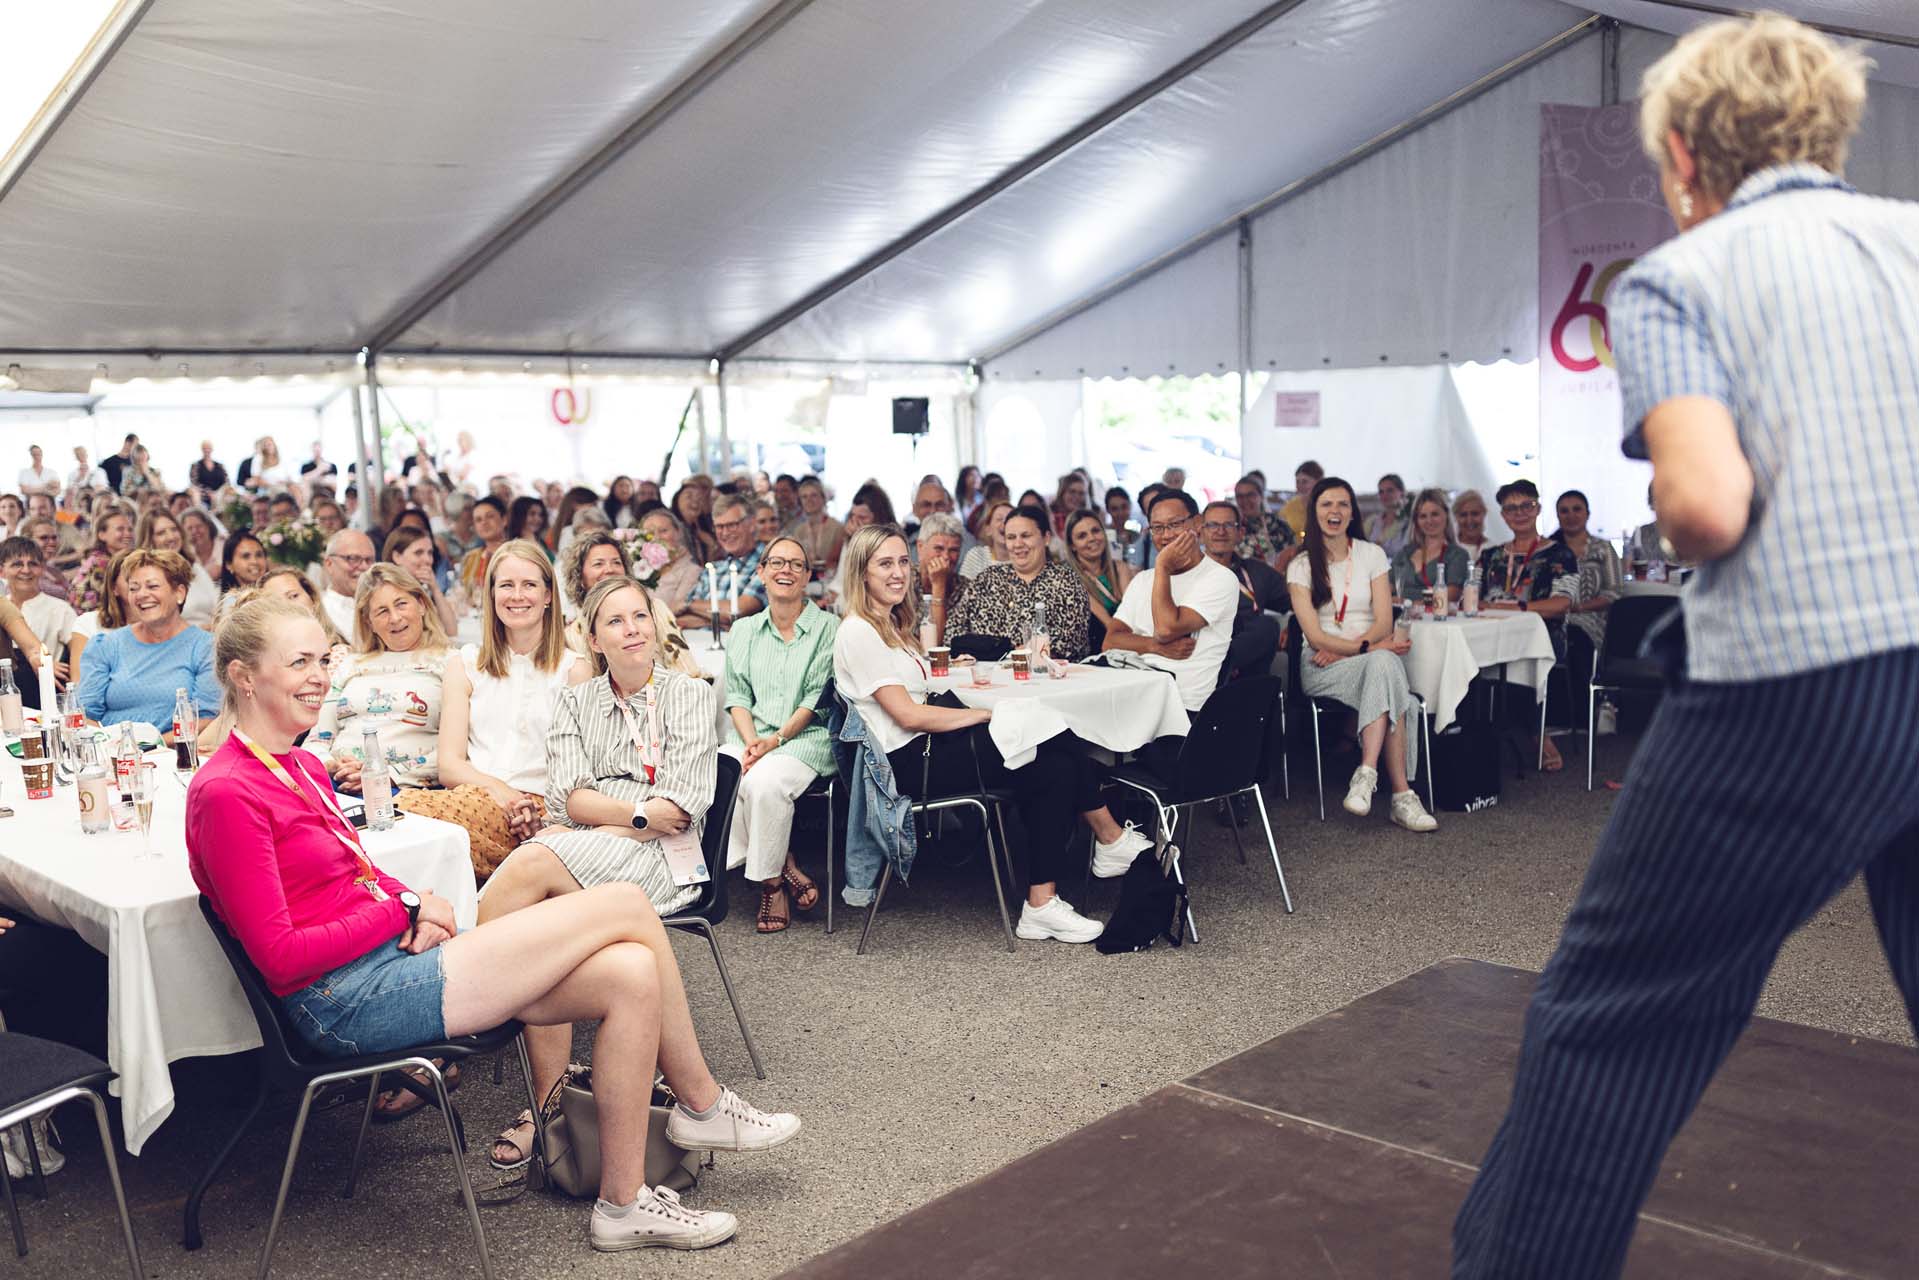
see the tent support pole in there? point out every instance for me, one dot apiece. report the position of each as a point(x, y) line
point(1244, 353)
point(1609, 63)
point(363, 518)
point(725, 467)
point(1052, 151)
point(1293, 190)
point(699, 407)
point(373, 475)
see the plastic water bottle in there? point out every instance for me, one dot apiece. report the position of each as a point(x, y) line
point(929, 630)
point(1469, 596)
point(376, 785)
point(1439, 594)
point(96, 800)
point(186, 733)
point(1041, 644)
point(12, 718)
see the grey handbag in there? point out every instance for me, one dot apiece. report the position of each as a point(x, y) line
point(570, 1134)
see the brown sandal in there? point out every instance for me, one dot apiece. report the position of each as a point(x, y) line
point(771, 921)
point(805, 895)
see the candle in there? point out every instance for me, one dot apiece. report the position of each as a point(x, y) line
point(713, 585)
point(734, 591)
point(49, 699)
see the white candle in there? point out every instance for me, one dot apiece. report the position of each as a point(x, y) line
point(713, 585)
point(49, 699)
point(734, 592)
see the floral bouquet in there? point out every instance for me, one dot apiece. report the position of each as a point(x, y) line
point(236, 514)
point(646, 558)
point(299, 542)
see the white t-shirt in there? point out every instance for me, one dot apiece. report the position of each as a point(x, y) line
point(203, 596)
point(339, 609)
point(51, 620)
point(44, 480)
point(1352, 580)
point(1208, 589)
point(863, 664)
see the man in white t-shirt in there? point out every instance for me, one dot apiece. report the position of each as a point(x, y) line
point(38, 478)
point(50, 618)
point(349, 554)
point(1179, 613)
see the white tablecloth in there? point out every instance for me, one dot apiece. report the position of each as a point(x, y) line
point(1447, 655)
point(1116, 709)
point(711, 655)
point(170, 992)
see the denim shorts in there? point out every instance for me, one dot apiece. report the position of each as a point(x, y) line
point(387, 999)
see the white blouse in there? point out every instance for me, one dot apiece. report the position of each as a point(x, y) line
point(508, 716)
point(863, 664)
point(1352, 579)
point(203, 596)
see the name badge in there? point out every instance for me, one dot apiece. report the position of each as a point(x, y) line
point(685, 859)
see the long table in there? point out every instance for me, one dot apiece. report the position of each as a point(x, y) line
point(170, 992)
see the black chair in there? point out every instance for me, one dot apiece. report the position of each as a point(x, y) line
point(1223, 756)
point(709, 909)
point(286, 1063)
point(37, 1076)
point(825, 788)
point(1618, 666)
point(1295, 649)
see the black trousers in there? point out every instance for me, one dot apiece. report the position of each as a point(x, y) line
point(1747, 808)
point(1051, 790)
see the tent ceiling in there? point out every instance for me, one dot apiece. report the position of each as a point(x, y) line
point(275, 176)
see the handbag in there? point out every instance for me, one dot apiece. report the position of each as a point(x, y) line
point(570, 1137)
point(1465, 767)
point(1152, 905)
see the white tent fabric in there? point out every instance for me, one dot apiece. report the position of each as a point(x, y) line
point(834, 179)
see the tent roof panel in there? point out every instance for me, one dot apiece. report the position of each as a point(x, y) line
point(271, 173)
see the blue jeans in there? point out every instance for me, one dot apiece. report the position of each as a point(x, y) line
point(387, 999)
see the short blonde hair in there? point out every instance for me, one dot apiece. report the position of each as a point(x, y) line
point(244, 635)
point(381, 574)
point(1744, 95)
point(596, 600)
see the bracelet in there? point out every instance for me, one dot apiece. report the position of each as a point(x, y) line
point(1364, 645)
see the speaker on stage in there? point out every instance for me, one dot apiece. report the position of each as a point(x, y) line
point(910, 415)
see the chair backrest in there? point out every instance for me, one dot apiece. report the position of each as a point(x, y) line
point(1628, 621)
point(1225, 749)
point(280, 1045)
point(710, 906)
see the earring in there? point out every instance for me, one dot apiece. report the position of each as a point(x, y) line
point(1685, 202)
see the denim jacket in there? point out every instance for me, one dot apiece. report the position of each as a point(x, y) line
point(879, 817)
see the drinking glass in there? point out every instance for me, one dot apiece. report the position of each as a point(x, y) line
point(145, 776)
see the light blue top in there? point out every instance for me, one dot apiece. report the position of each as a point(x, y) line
point(1797, 307)
point(122, 678)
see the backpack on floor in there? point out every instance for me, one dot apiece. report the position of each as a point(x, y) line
point(1151, 903)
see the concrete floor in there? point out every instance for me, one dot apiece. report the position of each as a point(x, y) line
point(937, 1057)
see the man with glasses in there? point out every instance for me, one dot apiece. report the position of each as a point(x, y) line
point(1532, 574)
point(349, 554)
point(1178, 614)
point(711, 600)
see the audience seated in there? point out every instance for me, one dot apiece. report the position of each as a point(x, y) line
point(489, 527)
point(133, 672)
point(1104, 578)
point(1222, 533)
point(936, 553)
point(1264, 534)
point(1531, 573)
point(49, 618)
point(44, 532)
point(778, 662)
point(881, 671)
point(288, 875)
point(1430, 552)
point(162, 531)
point(991, 547)
point(739, 557)
point(1305, 476)
point(412, 548)
point(394, 682)
point(1178, 615)
point(349, 554)
point(114, 534)
point(1390, 528)
point(818, 533)
point(1469, 524)
point(682, 571)
point(243, 561)
point(1001, 600)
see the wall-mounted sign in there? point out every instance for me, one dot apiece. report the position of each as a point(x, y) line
point(1296, 408)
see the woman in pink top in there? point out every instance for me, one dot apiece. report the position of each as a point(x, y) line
point(365, 965)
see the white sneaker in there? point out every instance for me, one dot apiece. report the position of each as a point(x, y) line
point(735, 1125)
point(19, 1163)
point(658, 1220)
point(1056, 920)
point(1359, 792)
point(1412, 815)
point(1116, 859)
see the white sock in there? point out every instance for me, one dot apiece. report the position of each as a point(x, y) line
point(607, 1209)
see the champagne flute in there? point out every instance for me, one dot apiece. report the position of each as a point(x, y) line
point(143, 780)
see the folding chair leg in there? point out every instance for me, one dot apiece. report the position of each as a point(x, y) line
point(726, 981)
point(1426, 741)
point(286, 1182)
point(13, 1212)
point(191, 1238)
point(456, 1146)
point(1192, 928)
point(1285, 752)
point(1541, 766)
point(1272, 845)
point(831, 816)
point(33, 1159)
point(532, 1103)
point(1319, 767)
point(1592, 700)
point(1232, 815)
point(886, 878)
point(366, 1123)
point(113, 1176)
point(987, 822)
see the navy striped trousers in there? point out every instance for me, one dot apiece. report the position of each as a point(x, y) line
point(1747, 808)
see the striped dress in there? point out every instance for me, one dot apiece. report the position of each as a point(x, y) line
point(589, 745)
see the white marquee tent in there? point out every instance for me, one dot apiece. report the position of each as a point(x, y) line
point(1038, 189)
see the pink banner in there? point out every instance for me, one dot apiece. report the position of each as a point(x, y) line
point(1599, 209)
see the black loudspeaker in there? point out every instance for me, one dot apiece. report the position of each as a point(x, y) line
point(910, 415)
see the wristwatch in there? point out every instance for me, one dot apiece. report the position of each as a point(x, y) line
point(1364, 645)
point(639, 815)
point(411, 901)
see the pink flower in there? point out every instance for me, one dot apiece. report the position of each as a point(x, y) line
point(655, 554)
point(276, 538)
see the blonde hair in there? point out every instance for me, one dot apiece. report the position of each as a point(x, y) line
point(143, 531)
point(311, 592)
point(596, 600)
point(177, 568)
point(495, 653)
point(898, 626)
point(1745, 95)
point(112, 612)
point(1468, 495)
point(243, 638)
point(380, 574)
point(1438, 498)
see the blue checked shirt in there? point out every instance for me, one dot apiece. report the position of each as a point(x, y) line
point(1797, 308)
point(747, 565)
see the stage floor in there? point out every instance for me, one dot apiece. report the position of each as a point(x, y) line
point(1343, 1148)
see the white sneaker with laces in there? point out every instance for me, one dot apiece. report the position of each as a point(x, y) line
point(1056, 920)
point(1359, 792)
point(1114, 859)
point(657, 1220)
point(1412, 815)
point(735, 1125)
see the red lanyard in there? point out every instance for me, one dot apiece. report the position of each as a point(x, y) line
point(1514, 579)
point(651, 748)
point(1339, 614)
point(330, 814)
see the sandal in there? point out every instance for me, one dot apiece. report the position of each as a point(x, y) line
point(398, 1104)
point(805, 895)
point(1554, 761)
point(509, 1140)
point(770, 920)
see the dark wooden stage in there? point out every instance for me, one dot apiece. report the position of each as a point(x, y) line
point(1343, 1148)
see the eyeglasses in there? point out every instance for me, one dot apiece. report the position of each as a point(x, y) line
point(1216, 526)
point(352, 562)
point(779, 564)
point(730, 524)
point(1518, 508)
point(1176, 526)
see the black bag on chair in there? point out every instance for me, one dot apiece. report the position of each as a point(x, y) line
point(1465, 767)
point(983, 647)
point(1151, 903)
